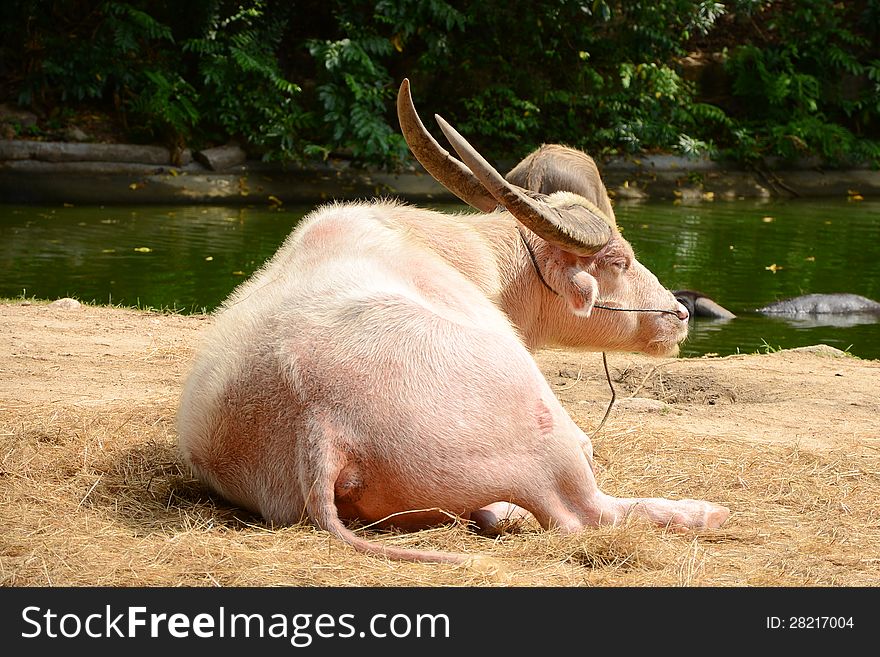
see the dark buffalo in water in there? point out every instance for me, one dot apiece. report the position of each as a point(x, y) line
point(836, 309)
point(822, 304)
point(699, 305)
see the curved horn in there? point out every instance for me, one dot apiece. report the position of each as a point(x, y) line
point(447, 170)
point(579, 228)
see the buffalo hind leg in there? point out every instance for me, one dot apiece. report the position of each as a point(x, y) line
point(497, 517)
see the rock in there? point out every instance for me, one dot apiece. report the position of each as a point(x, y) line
point(66, 304)
point(630, 192)
point(10, 114)
point(183, 157)
point(222, 157)
point(75, 134)
point(54, 151)
point(820, 350)
point(689, 193)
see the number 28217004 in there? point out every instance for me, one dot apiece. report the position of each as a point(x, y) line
point(809, 622)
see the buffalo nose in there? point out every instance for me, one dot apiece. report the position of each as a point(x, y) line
point(682, 313)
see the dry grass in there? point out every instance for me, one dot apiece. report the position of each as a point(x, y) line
point(93, 494)
point(100, 498)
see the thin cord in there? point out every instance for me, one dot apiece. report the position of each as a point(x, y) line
point(534, 261)
point(636, 310)
point(613, 397)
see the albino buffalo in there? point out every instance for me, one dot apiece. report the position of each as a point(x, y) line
point(378, 367)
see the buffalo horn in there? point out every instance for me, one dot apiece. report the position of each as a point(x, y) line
point(437, 161)
point(576, 228)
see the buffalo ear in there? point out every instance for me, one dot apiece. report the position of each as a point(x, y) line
point(564, 273)
point(580, 290)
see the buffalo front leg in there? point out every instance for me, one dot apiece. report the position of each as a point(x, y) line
point(571, 499)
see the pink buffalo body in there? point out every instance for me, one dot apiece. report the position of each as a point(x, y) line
point(378, 369)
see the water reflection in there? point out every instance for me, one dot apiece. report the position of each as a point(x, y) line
point(186, 258)
point(843, 320)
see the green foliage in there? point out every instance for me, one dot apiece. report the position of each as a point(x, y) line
point(497, 113)
point(242, 91)
point(168, 106)
point(811, 88)
point(223, 81)
point(355, 89)
point(88, 59)
point(299, 78)
point(355, 95)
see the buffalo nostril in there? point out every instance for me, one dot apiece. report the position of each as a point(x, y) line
point(682, 313)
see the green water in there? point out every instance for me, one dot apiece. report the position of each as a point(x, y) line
point(190, 258)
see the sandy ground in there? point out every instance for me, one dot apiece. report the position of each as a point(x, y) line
point(92, 492)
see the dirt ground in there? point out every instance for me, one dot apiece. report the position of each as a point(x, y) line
point(93, 492)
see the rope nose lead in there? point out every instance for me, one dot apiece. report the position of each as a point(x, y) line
point(641, 310)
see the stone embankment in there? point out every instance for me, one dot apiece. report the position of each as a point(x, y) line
point(92, 173)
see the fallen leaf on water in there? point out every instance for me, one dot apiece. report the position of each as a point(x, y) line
point(767, 220)
point(774, 268)
point(238, 273)
point(810, 258)
point(209, 258)
point(143, 249)
point(108, 250)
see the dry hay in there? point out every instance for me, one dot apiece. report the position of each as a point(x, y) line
point(93, 492)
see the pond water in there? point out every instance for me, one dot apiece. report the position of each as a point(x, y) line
point(744, 254)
